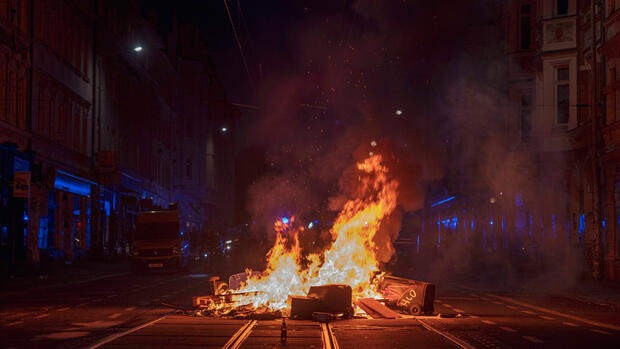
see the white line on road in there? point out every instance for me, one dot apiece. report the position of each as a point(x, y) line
point(489, 322)
point(114, 316)
point(438, 301)
point(474, 316)
point(533, 339)
point(528, 312)
point(550, 311)
point(108, 339)
point(512, 307)
point(14, 323)
point(600, 331)
point(447, 305)
point(496, 302)
point(41, 316)
point(459, 310)
point(508, 329)
point(129, 309)
point(547, 317)
point(63, 309)
point(570, 324)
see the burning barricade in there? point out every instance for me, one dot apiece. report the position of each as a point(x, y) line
point(328, 284)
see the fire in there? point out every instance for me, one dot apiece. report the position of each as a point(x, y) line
point(350, 259)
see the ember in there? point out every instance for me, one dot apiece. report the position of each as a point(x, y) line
point(350, 261)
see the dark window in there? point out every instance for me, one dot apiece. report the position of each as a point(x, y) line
point(562, 103)
point(562, 74)
point(526, 32)
point(561, 7)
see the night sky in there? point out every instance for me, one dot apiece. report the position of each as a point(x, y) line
point(328, 77)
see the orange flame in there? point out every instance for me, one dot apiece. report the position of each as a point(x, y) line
point(350, 259)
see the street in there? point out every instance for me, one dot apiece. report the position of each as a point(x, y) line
point(125, 311)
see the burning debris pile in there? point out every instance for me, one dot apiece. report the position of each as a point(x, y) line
point(332, 281)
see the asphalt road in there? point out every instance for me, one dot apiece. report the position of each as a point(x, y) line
point(124, 311)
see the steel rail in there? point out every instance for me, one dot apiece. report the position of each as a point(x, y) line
point(240, 336)
point(116, 336)
point(459, 342)
point(329, 340)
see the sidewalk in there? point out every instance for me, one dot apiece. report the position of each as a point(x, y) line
point(63, 274)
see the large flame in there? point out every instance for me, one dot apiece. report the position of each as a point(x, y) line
point(350, 259)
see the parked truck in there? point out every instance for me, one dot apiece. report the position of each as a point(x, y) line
point(158, 242)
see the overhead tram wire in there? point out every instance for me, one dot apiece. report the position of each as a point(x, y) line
point(245, 63)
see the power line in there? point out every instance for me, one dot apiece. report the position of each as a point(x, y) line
point(232, 24)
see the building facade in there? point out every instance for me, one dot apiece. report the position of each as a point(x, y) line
point(102, 108)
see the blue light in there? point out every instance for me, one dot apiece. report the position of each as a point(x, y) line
point(285, 220)
point(205, 255)
point(25, 217)
point(442, 201)
point(310, 225)
point(491, 222)
point(73, 184)
point(582, 225)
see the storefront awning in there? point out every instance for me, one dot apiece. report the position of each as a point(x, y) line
point(71, 183)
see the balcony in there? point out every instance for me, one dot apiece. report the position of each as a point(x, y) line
point(559, 33)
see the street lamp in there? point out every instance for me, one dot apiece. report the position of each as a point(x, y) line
point(224, 129)
point(137, 48)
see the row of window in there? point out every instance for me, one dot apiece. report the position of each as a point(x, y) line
point(61, 29)
point(61, 115)
point(13, 92)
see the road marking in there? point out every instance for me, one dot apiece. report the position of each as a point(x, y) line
point(474, 316)
point(570, 324)
point(533, 339)
point(329, 340)
point(110, 338)
point(547, 317)
point(600, 331)
point(496, 302)
point(462, 344)
point(550, 311)
point(41, 316)
point(114, 316)
point(508, 329)
point(528, 312)
point(240, 336)
point(447, 305)
point(14, 323)
point(63, 309)
point(459, 310)
point(489, 322)
point(512, 307)
point(156, 300)
point(129, 309)
point(484, 298)
point(438, 301)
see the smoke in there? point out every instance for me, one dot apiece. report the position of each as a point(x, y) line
point(347, 69)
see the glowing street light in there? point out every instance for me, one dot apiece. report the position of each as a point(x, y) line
point(137, 49)
point(398, 112)
point(224, 129)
